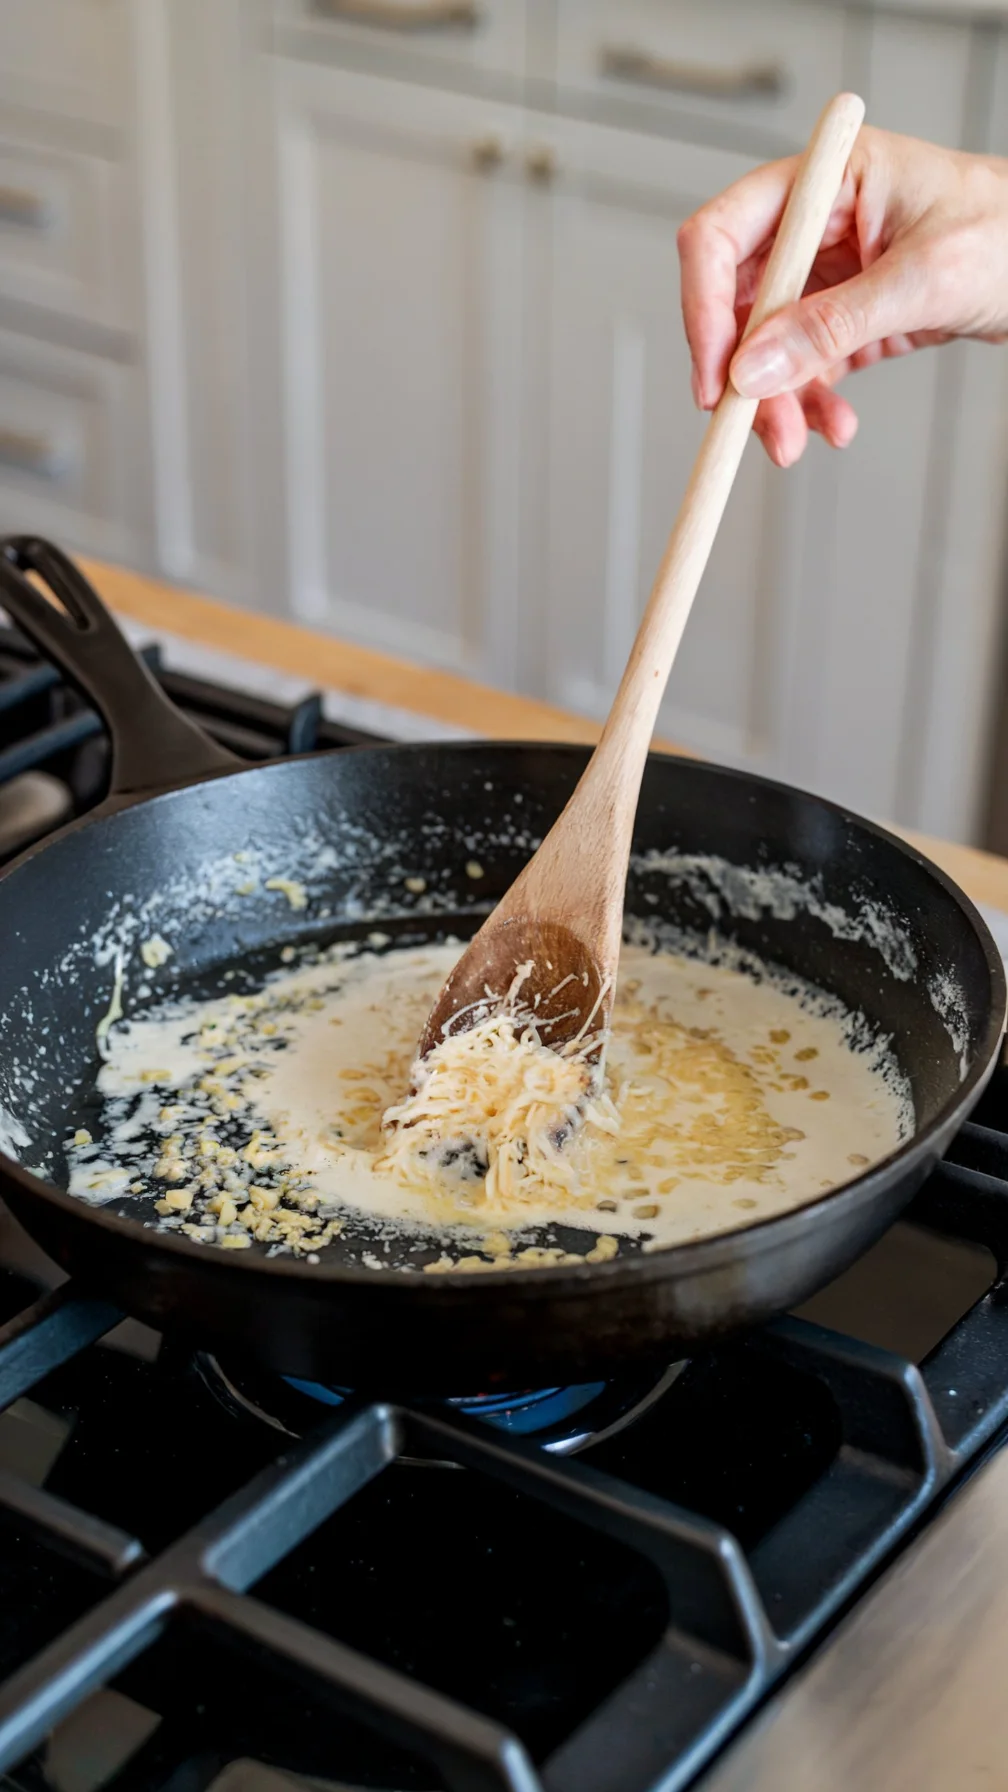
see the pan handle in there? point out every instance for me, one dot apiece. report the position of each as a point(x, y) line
point(154, 746)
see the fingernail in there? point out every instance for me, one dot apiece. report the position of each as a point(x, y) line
point(694, 380)
point(764, 370)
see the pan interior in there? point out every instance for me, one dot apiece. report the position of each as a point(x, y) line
point(229, 874)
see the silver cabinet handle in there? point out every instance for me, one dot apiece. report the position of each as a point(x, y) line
point(750, 81)
point(19, 205)
point(38, 454)
point(396, 15)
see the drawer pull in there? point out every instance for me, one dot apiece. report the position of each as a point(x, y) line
point(29, 453)
point(397, 15)
point(541, 163)
point(750, 81)
point(19, 205)
point(488, 153)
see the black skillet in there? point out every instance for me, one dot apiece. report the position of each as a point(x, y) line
point(849, 908)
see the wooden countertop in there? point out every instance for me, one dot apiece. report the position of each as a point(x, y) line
point(360, 671)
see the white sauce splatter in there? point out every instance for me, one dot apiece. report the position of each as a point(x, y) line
point(155, 952)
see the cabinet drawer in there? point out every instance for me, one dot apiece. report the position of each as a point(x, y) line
point(768, 66)
point(63, 232)
point(68, 57)
point(71, 455)
point(486, 36)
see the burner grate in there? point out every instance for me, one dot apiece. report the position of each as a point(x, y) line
point(736, 1620)
point(47, 727)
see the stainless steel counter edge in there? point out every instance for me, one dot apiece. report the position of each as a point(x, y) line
point(909, 1694)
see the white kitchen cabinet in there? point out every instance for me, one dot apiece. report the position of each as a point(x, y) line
point(763, 69)
point(74, 416)
point(476, 42)
point(62, 217)
point(843, 635)
point(399, 270)
point(621, 433)
point(67, 58)
point(73, 457)
point(803, 653)
point(900, 583)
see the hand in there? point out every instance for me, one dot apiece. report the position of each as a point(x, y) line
point(915, 253)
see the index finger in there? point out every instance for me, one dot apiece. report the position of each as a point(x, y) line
point(713, 244)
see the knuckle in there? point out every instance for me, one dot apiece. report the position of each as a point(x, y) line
point(688, 233)
point(832, 327)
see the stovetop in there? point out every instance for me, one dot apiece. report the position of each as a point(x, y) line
point(213, 1579)
point(54, 755)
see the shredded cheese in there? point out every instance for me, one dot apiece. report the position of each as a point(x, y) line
point(495, 1102)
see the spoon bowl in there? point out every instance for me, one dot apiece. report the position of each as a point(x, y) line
point(536, 969)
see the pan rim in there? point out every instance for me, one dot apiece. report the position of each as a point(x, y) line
point(703, 1253)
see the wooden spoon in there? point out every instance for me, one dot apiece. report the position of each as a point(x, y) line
point(563, 915)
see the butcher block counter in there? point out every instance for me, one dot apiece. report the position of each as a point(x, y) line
point(458, 705)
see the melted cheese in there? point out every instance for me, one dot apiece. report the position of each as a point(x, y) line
point(276, 1115)
point(496, 1103)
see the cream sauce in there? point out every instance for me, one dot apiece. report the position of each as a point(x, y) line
point(726, 1100)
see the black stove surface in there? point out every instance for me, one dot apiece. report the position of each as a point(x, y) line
point(210, 1578)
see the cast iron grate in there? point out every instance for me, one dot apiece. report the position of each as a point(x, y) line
point(735, 1619)
point(46, 726)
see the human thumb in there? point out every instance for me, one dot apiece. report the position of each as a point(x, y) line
point(803, 341)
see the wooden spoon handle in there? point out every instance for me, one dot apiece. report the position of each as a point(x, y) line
point(631, 721)
point(564, 911)
point(577, 879)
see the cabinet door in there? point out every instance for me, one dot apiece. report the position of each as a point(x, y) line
point(905, 540)
point(619, 440)
point(399, 312)
point(842, 637)
point(73, 457)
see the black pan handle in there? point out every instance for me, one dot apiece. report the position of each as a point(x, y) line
point(154, 746)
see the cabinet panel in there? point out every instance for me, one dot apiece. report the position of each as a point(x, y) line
point(401, 264)
point(623, 433)
point(871, 530)
point(483, 37)
point(72, 455)
point(63, 230)
point(68, 57)
point(884, 609)
point(770, 67)
point(828, 644)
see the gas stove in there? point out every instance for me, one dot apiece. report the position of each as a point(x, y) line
point(54, 755)
point(211, 1577)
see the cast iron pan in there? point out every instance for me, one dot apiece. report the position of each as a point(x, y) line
point(846, 906)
